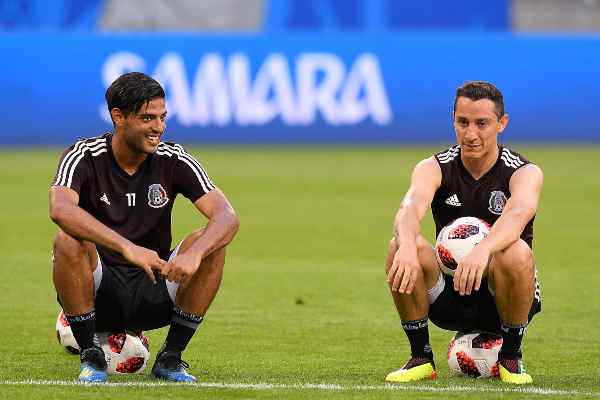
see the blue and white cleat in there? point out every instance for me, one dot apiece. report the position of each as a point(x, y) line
point(93, 366)
point(169, 366)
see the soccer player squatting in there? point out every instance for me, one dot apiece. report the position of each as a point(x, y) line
point(494, 288)
point(112, 200)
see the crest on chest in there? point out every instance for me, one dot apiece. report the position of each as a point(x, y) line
point(497, 202)
point(157, 196)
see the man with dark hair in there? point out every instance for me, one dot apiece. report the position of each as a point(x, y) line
point(112, 200)
point(494, 288)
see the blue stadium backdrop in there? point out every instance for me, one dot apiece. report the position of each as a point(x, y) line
point(300, 87)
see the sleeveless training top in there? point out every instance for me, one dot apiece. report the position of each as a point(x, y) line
point(460, 195)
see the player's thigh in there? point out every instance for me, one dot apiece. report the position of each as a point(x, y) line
point(187, 242)
point(181, 247)
point(517, 259)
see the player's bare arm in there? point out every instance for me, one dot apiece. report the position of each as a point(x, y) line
point(66, 213)
point(525, 188)
point(425, 180)
point(222, 226)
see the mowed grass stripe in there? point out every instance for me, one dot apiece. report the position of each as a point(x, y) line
point(317, 386)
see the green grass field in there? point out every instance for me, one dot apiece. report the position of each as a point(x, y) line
point(303, 311)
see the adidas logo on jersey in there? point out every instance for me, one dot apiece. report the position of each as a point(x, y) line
point(453, 201)
point(104, 198)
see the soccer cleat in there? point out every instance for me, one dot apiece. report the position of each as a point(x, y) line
point(93, 366)
point(171, 367)
point(511, 371)
point(416, 369)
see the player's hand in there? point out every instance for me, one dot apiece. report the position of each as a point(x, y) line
point(144, 258)
point(403, 273)
point(470, 271)
point(181, 267)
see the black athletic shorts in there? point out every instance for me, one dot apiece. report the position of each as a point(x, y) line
point(475, 312)
point(128, 300)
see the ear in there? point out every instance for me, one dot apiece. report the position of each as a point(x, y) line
point(503, 122)
point(117, 116)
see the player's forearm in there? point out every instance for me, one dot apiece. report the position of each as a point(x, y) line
point(406, 225)
point(80, 224)
point(506, 230)
point(219, 232)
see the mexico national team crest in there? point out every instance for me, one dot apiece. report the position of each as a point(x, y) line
point(497, 202)
point(157, 196)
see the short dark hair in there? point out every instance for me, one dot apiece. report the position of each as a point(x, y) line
point(477, 90)
point(131, 91)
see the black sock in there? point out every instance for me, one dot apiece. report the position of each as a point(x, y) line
point(418, 336)
point(183, 326)
point(84, 328)
point(512, 336)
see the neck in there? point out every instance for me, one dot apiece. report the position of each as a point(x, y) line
point(126, 158)
point(478, 167)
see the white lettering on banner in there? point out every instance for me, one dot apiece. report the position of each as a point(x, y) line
point(223, 91)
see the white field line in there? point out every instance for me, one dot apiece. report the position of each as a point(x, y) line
point(320, 386)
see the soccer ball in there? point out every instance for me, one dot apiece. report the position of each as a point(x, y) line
point(457, 239)
point(126, 352)
point(474, 354)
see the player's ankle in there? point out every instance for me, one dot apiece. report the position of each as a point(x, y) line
point(420, 359)
point(509, 355)
point(512, 364)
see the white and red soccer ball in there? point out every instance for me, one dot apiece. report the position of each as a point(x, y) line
point(126, 352)
point(474, 354)
point(457, 239)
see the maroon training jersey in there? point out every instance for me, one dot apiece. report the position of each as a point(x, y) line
point(136, 206)
point(460, 195)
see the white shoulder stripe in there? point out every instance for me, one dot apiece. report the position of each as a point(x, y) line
point(161, 152)
point(203, 179)
point(451, 150)
point(449, 155)
point(71, 160)
point(76, 162)
point(68, 157)
point(512, 157)
point(100, 151)
point(509, 163)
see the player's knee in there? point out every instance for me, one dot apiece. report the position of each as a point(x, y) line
point(66, 247)
point(423, 250)
point(190, 240)
point(69, 251)
point(215, 261)
point(426, 256)
point(516, 260)
point(391, 251)
point(422, 244)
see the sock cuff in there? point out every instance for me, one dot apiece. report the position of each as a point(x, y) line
point(186, 319)
point(513, 326)
point(414, 325)
point(81, 317)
